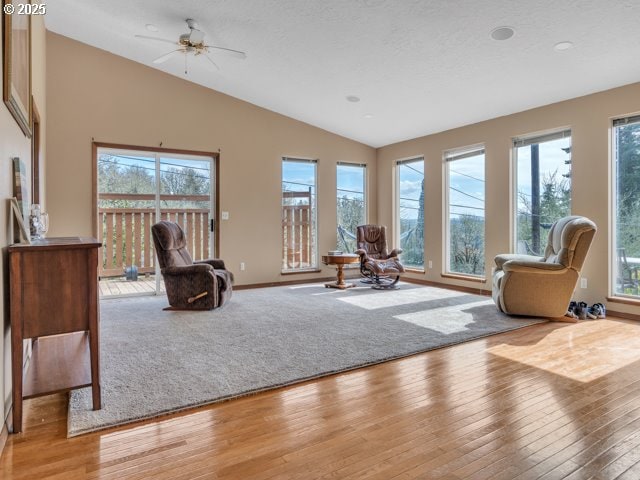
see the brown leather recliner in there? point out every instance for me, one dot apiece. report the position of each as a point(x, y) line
point(200, 285)
point(543, 286)
point(378, 265)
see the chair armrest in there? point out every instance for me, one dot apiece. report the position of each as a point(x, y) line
point(507, 257)
point(395, 252)
point(535, 266)
point(188, 269)
point(216, 263)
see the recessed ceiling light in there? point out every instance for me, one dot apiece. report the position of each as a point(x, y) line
point(560, 46)
point(353, 98)
point(151, 27)
point(502, 33)
point(368, 115)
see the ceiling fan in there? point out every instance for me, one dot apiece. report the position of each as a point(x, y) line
point(192, 43)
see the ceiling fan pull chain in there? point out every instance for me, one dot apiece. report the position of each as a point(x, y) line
point(185, 64)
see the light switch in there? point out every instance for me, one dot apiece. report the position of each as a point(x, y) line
point(225, 215)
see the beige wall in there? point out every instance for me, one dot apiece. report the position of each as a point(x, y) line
point(14, 143)
point(94, 94)
point(588, 117)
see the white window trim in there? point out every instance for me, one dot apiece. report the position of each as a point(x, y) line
point(613, 203)
point(365, 186)
point(521, 141)
point(448, 157)
point(396, 207)
point(286, 158)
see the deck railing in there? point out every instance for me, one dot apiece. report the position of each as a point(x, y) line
point(297, 234)
point(126, 233)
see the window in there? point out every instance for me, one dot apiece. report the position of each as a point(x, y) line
point(137, 188)
point(543, 179)
point(465, 211)
point(299, 235)
point(410, 213)
point(351, 207)
point(626, 204)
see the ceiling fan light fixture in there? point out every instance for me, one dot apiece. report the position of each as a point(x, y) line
point(192, 43)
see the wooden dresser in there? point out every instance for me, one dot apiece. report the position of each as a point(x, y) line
point(54, 301)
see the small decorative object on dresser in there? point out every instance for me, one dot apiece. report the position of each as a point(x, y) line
point(23, 230)
point(20, 189)
point(38, 222)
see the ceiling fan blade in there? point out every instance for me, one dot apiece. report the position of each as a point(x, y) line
point(211, 61)
point(230, 51)
point(144, 37)
point(167, 56)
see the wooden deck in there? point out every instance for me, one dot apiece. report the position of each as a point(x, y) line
point(553, 401)
point(113, 286)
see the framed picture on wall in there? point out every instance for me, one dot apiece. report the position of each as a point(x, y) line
point(24, 235)
point(21, 188)
point(17, 65)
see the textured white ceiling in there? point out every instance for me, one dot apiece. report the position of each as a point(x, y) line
point(419, 66)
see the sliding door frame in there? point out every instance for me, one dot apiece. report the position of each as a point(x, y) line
point(169, 151)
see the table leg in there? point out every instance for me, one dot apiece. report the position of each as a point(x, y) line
point(339, 283)
point(17, 343)
point(94, 328)
point(16, 374)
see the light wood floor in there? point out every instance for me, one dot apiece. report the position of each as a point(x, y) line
point(549, 401)
point(120, 286)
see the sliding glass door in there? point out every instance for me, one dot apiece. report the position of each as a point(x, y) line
point(135, 190)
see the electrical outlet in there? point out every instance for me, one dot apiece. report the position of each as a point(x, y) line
point(583, 283)
point(242, 266)
point(430, 264)
point(225, 215)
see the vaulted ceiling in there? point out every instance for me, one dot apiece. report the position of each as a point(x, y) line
point(416, 66)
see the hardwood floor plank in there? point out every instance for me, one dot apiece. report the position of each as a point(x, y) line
point(547, 401)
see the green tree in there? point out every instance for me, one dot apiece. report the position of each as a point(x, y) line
point(628, 189)
point(413, 243)
point(555, 203)
point(350, 215)
point(466, 247)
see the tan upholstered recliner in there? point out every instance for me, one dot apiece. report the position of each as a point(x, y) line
point(542, 286)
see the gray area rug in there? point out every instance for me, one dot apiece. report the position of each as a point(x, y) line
point(154, 362)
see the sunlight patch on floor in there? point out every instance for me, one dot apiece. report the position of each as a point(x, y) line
point(393, 298)
point(445, 319)
point(581, 351)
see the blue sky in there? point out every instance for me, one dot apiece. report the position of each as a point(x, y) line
point(300, 174)
point(166, 163)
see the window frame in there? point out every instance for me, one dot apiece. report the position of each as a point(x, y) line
point(397, 227)
point(630, 119)
point(365, 184)
point(313, 202)
point(99, 148)
point(522, 141)
point(448, 157)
